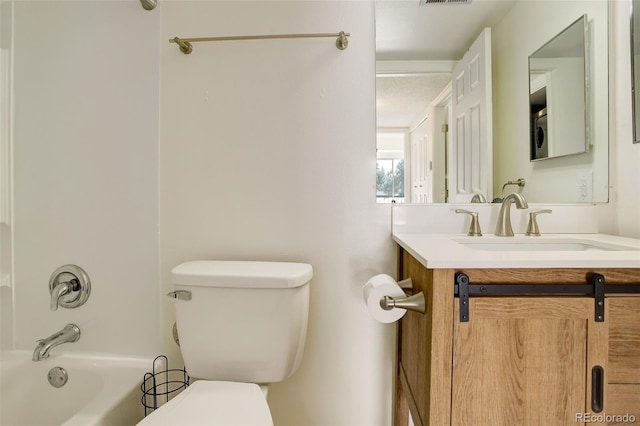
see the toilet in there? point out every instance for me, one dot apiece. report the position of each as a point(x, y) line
point(241, 326)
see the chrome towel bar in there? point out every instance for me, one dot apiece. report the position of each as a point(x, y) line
point(185, 43)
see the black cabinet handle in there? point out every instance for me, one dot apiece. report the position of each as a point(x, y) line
point(597, 388)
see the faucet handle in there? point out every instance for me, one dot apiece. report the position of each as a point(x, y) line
point(474, 227)
point(60, 290)
point(532, 227)
point(69, 287)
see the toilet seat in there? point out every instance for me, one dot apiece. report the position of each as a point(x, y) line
point(214, 403)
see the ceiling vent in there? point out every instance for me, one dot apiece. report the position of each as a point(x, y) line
point(428, 2)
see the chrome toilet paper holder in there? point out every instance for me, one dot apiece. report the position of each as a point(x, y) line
point(415, 302)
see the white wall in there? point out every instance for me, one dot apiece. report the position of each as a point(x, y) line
point(622, 215)
point(85, 153)
point(268, 153)
point(557, 179)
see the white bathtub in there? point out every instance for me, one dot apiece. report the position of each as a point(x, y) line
point(99, 391)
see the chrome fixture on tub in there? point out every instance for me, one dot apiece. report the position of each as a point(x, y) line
point(503, 227)
point(415, 302)
point(69, 287)
point(57, 377)
point(69, 334)
point(180, 294)
point(149, 4)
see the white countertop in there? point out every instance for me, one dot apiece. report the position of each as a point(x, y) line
point(444, 251)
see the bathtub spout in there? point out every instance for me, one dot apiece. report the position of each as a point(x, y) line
point(70, 333)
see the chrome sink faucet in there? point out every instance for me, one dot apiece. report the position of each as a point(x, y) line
point(503, 227)
point(69, 334)
point(532, 228)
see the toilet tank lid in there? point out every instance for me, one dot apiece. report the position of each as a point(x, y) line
point(242, 274)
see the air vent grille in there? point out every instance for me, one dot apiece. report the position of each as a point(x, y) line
point(428, 2)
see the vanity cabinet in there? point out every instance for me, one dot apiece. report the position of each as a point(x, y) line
point(518, 359)
point(623, 380)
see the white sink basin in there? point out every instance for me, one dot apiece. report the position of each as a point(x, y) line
point(539, 244)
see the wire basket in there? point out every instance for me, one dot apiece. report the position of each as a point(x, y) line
point(162, 384)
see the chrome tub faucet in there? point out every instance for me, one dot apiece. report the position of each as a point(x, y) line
point(69, 287)
point(503, 227)
point(69, 334)
point(62, 289)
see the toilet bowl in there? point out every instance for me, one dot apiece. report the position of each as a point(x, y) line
point(239, 323)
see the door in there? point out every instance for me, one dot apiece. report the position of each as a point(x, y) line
point(470, 156)
point(419, 169)
point(440, 132)
point(525, 361)
point(622, 394)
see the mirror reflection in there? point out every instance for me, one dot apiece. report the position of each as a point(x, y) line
point(442, 154)
point(558, 95)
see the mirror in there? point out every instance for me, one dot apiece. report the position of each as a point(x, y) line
point(558, 95)
point(635, 68)
point(428, 40)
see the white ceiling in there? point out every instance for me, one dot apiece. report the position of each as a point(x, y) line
point(403, 101)
point(405, 30)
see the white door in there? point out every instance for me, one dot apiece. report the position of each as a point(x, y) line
point(440, 134)
point(419, 169)
point(470, 154)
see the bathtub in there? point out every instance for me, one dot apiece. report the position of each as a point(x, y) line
point(99, 390)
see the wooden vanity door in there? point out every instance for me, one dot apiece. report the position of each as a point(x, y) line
point(623, 375)
point(525, 360)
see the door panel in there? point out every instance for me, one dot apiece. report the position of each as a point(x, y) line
point(524, 361)
point(471, 158)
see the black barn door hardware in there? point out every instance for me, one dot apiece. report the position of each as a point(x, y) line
point(596, 287)
point(597, 388)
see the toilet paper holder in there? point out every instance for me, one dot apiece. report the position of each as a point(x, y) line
point(415, 302)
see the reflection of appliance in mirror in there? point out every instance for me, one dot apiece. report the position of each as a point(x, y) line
point(539, 135)
point(541, 144)
point(558, 85)
point(539, 125)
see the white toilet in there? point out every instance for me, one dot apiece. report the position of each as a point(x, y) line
point(240, 325)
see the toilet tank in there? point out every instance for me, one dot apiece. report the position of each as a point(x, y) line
point(245, 321)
